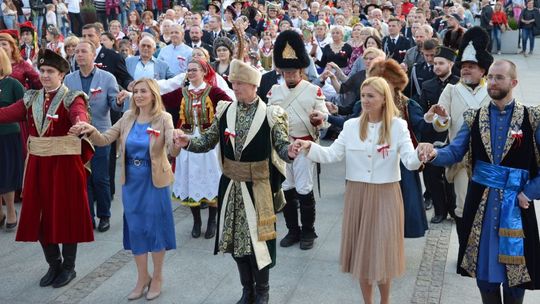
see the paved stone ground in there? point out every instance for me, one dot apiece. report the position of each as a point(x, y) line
point(106, 273)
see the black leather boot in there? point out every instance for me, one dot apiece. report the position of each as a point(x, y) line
point(69, 253)
point(52, 255)
point(290, 212)
point(196, 231)
point(211, 225)
point(509, 299)
point(491, 297)
point(262, 286)
point(246, 279)
point(307, 216)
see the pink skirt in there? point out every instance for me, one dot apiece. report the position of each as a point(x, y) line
point(372, 240)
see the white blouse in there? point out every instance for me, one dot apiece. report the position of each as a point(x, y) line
point(366, 161)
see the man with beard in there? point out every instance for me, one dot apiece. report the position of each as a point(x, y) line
point(434, 177)
point(499, 218)
point(471, 92)
point(298, 98)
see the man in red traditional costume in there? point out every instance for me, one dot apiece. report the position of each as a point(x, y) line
point(55, 209)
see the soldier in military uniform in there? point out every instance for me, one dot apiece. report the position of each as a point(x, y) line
point(473, 60)
point(434, 177)
point(299, 98)
point(423, 71)
point(55, 209)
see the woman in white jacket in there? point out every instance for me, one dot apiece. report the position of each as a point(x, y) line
point(372, 242)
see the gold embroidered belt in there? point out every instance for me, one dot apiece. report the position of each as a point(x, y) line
point(259, 174)
point(53, 146)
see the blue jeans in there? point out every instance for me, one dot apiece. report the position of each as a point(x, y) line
point(487, 287)
point(64, 26)
point(38, 23)
point(98, 183)
point(496, 36)
point(527, 34)
point(9, 21)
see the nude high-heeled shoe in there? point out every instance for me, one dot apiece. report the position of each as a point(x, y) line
point(134, 295)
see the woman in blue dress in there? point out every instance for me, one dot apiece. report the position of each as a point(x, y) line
point(145, 133)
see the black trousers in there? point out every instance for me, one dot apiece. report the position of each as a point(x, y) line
point(76, 23)
point(442, 192)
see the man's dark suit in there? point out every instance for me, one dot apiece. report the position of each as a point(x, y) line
point(205, 46)
point(434, 177)
point(268, 80)
point(115, 64)
point(204, 38)
point(398, 49)
point(208, 37)
point(407, 32)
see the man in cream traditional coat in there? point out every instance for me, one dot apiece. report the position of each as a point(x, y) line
point(299, 98)
point(471, 92)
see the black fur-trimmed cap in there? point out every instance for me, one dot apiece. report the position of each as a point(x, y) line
point(473, 48)
point(445, 52)
point(50, 58)
point(290, 52)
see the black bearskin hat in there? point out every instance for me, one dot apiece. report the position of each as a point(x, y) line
point(290, 52)
point(473, 48)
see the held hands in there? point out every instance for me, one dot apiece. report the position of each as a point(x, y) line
point(180, 139)
point(426, 152)
point(296, 147)
point(81, 127)
point(523, 201)
point(317, 115)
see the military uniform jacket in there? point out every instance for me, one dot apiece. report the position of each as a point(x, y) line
point(456, 99)
point(299, 102)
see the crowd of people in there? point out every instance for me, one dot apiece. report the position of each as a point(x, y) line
point(223, 108)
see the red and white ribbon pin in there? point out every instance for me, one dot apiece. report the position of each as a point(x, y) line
point(52, 117)
point(95, 91)
point(153, 132)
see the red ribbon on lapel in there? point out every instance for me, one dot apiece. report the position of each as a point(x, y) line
point(383, 149)
point(228, 133)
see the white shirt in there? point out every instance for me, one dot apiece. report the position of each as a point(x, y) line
point(74, 6)
point(144, 70)
point(363, 163)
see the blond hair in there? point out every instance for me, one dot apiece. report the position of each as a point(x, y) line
point(375, 51)
point(157, 104)
point(389, 110)
point(5, 64)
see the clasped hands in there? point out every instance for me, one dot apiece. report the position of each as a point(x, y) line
point(298, 146)
point(180, 139)
point(426, 152)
